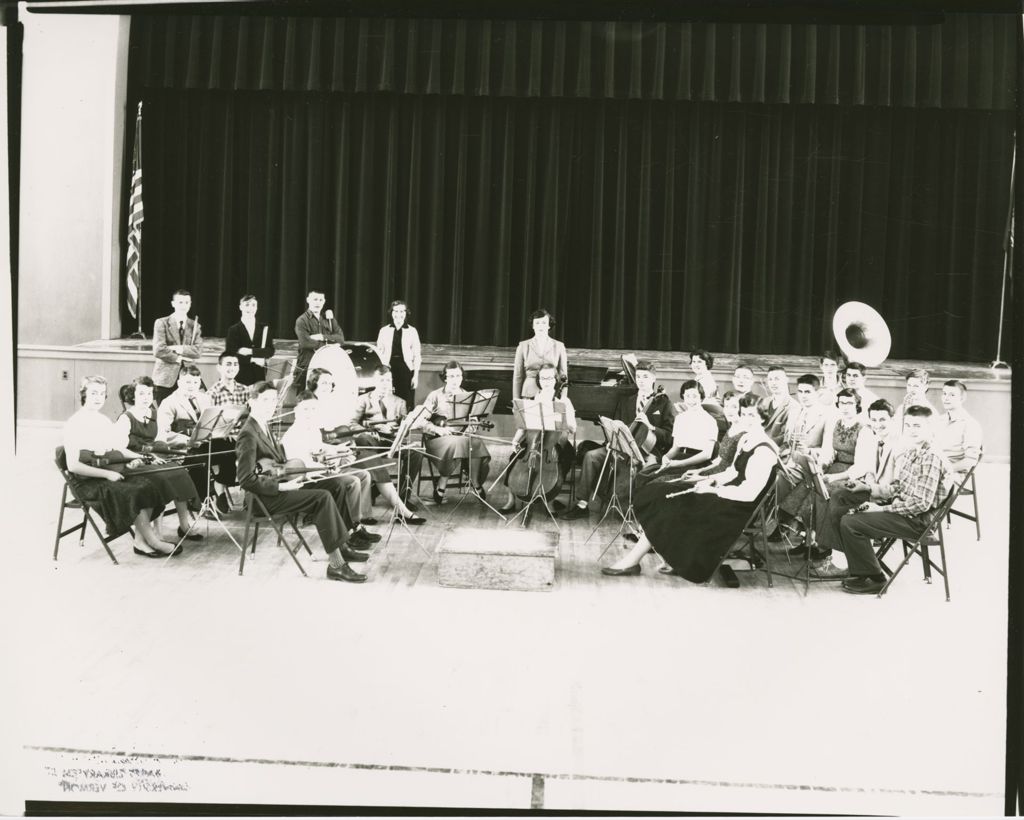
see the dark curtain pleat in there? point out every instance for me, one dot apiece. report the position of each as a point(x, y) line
point(967, 61)
point(640, 223)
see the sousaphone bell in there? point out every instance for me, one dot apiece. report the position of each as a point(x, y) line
point(861, 333)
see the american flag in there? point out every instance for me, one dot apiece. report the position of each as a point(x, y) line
point(135, 217)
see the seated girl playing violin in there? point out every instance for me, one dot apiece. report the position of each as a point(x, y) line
point(122, 500)
point(138, 426)
point(382, 410)
point(449, 444)
point(303, 442)
point(336, 422)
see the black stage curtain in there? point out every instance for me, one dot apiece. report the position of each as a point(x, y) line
point(642, 223)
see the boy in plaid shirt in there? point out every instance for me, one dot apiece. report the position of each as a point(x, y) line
point(226, 390)
point(917, 487)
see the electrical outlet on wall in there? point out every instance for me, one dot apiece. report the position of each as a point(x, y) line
point(64, 375)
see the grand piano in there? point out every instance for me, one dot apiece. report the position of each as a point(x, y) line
point(594, 390)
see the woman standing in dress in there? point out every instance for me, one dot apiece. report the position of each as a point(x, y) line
point(137, 425)
point(122, 501)
point(447, 444)
point(398, 345)
point(532, 354)
point(694, 530)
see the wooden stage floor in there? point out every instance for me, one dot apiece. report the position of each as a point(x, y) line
point(184, 682)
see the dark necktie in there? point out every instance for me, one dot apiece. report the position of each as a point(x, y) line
point(878, 459)
point(181, 332)
point(383, 410)
point(195, 407)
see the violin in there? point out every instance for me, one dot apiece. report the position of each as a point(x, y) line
point(122, 463)
point(291, 467)
point(111, 459)
point(344, 431)
point(162, 447)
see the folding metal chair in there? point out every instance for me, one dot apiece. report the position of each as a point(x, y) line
point(930, 536)
point(76, 503)
point(972, 493)
point(759, 524)
point(255, 511)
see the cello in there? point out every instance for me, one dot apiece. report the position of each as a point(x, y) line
point(538, 467)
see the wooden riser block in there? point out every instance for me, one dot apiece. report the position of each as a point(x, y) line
point(498, 558)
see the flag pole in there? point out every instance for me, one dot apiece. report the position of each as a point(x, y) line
point(1008, 239)
point(138, 334)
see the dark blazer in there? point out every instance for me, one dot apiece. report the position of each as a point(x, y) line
point(251, 445)
point(661, 415)
point(305, 326)
point(238, 336)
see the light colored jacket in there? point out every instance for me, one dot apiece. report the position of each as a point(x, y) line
point(411, 348)
point(176, 408)
point(168, 363)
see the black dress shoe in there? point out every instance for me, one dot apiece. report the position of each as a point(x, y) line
point(365, 535)
point(415, 520)
point(223, 505)
point(354, 555)
point(178, 550)
point(369, 520)
point(633, 570)
point(632, 536)
point(356, 541)
point(192, 536)
point(439, 497)
point(575, 512)
point(480, 491)
point(863, 586)
point(153, 554)
point(345, 573)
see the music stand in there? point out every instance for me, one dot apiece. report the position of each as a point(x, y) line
point(474, 405)
point(819, 494)
point(605, 424)
point(398, 450)
point(543, 430)
point(622, 446)
point(214, 422)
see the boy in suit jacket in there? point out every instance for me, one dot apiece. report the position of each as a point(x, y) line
point(177, 341)
point(250, 341)
point(255, 442)
point(177, 417)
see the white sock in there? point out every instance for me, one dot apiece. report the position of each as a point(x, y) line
point(839, 559)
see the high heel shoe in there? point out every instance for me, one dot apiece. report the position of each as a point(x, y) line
point(439, 495)
point(415, 520)
point(192, 536)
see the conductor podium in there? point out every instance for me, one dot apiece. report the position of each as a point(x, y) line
point(497, 558)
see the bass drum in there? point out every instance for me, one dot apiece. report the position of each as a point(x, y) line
point(352, 364)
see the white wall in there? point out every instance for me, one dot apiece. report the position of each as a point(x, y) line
point(75, 68)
